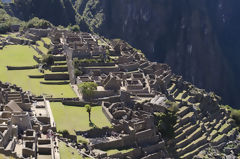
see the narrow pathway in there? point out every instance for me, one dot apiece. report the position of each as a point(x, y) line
point(75, 89)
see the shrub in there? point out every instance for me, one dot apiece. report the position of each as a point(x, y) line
point(38, 23)
point(78, 72)
point(173, 106)
point(48, 60)
point(235, 114)
point(74, 28)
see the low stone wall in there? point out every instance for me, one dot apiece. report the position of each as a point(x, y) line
point(59, 58)
point(44, 119)
point(77, 103)
point(36, 59)
point(96, 132)
point(21, 67)
point(96, 64)
point(61, 99)
point(45, 45)
point(56, 83)
point(59, 68)
point(38, 51)
point(101, 94)
point(57, 76)
point(107, 114)
point(36, 76)
point(105, 70)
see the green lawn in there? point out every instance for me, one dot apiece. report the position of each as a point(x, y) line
point(17, 55)
point(5, 157)
point(70, 117)
point(66, 152)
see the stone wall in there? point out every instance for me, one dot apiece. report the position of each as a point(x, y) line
point(22, 67)
point(36, 59)
point(57, 76)
point(59, 68)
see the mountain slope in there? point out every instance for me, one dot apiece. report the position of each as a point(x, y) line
point(191, 36)
point(198, 39)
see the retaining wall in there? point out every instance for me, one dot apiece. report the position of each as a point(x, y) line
point(21, 67)
point(57, 76)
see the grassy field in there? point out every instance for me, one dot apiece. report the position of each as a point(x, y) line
point(17, 55)
point(70, 118)
point(66, 152)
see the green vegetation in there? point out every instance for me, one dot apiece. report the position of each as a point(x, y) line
point(47, 41)
point(235, 114)
point(76, 118)
point(173, 106)
point(78, 72)
point(87, 88)
point(115, 151)
point(6, 21)
point(165, 123)
point(68, 152)
point(48, 60)
point(18, 55)
point(41, 47)
point(38, 23)
point(88, 109)
point(74, 28)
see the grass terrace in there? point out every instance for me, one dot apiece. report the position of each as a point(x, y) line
point(115, 151)
point(17, 55)
point(68, 152)
point(41, 47)
point(47, 41)
point(76, 118)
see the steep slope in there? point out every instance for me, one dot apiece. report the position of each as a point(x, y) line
point(191, 36)
point(199, 39)
point(59, 12)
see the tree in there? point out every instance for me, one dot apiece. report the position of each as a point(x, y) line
point(88, 109)
point(48, 60)
point(87, 88)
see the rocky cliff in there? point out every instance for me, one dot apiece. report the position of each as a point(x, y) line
point(198, 39)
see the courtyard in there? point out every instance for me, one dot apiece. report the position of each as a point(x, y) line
point(76, 118)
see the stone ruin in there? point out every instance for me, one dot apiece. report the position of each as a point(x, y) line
point(23, 132)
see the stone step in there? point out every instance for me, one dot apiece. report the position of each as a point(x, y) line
point(183, 111)
point(186, 132)
point(172, 88)
point(197, 133)
point(194, 152)
point(219, 139)
point(225, 128)
point(14, 95)
point(193, 145)
point(181, 95)
point(180, 129)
